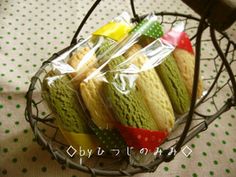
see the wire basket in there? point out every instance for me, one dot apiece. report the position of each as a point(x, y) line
point(220, 80)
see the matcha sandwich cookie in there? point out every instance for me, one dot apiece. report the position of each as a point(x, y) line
point(126, 101)
point(62, 99)
point(91, 94)
point(103, 123)
point(61, 95)
point(153, 92)
point(185, 62)
point(174, 85)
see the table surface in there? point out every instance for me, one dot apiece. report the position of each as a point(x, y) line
point(30, 32)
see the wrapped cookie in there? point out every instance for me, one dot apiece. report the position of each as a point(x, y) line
point(93, 47)
point(100, 119)
point(182, 59)
point(174, 85)
point(61, 97)
point(185, 59)
point(152, 89)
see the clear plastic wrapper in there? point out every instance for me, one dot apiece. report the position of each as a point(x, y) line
point(96, 44)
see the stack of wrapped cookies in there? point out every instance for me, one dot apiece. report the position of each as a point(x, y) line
point(123, 86)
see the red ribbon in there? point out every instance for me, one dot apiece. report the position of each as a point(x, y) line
point(178, 39)
point(141, 138)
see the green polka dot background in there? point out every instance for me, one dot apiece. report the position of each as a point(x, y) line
point(30, 32)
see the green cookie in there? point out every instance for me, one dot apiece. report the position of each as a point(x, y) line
point(174, 85)
point(62, 98)
point(127, 104)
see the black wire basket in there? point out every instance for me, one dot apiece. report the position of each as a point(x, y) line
point(221, 80)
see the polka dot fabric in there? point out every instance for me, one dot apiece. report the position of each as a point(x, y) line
point(141, 138)
point(179, 40)
point(110, 139)
point(149, 28)
point(30, 32)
